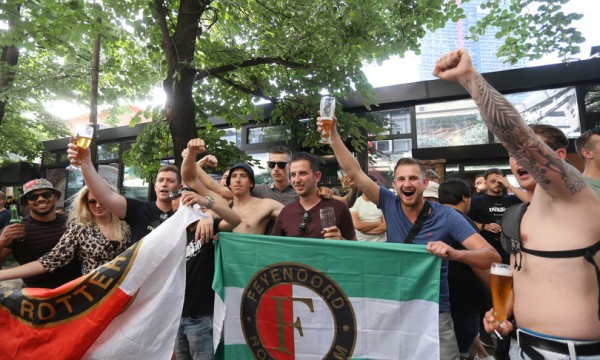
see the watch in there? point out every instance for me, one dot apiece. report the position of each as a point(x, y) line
point(210, 203)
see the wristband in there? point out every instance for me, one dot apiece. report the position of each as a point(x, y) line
point(210, 203)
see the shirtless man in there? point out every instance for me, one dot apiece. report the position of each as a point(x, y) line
point(555, 300)
point(256, 213)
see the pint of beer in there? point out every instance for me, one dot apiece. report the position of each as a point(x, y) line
point(501, 287)
point(83, 139)
point(327, 111)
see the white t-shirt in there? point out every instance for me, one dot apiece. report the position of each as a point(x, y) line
point(367, 211)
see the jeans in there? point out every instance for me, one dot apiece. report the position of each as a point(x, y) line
point(194, 338)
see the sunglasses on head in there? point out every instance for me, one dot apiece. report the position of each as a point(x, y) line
point(305, 220)
point(280, 164)
point(34, 197)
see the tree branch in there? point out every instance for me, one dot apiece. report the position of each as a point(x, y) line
point(245, 89)
point(249, 63)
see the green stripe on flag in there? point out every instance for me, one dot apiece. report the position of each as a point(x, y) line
point(362, 269)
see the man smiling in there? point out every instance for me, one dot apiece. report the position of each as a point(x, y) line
point(37, 234)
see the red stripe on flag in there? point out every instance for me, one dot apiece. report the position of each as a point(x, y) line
point(274, 319)
point(68, 340)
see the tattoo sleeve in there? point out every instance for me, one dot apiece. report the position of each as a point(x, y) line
point(521, 142)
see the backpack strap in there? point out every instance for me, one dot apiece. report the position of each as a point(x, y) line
point(423, 215)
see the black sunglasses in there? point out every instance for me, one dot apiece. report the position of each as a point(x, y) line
point(305, 220)
point(280, 164)
point(34, 197)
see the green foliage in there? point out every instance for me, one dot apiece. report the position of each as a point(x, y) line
point(541, 27)
point(153, 145)
point(284, 52)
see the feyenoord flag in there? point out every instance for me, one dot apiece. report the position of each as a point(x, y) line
point(128, 308)
point(288, 298)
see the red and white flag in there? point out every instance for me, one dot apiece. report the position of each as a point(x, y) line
point(128, 308)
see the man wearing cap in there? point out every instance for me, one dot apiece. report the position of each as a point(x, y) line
point(37, 234)
point(256, 213)
point(141, 216)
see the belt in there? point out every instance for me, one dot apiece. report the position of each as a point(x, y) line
point(528, 343)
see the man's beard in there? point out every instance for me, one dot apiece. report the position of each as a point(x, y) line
point(48, 210)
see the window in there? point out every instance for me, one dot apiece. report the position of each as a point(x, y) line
point(133, 186)
point(108, 151)
point(451, 123)
point(266, 134)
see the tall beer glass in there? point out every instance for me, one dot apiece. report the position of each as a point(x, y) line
point(501, 287)
point(83, 139)
point(327, 112)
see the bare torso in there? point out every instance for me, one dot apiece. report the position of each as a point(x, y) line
point(256, 214)
point(559, 297)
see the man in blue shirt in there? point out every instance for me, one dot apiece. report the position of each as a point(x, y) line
point(442, 226)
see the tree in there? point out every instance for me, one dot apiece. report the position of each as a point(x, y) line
point(217, 58)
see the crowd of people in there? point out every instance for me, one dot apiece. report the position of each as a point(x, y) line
point(554, 308)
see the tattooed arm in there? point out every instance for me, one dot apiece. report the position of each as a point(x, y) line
point(549, 170)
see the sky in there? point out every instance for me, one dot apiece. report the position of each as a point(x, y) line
point(405, 70)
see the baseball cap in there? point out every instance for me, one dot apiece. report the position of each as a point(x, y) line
point(431, 190)
point(36, 184)
point(246, 168)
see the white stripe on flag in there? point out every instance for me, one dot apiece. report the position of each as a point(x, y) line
point(147, 328)
point(386, 329)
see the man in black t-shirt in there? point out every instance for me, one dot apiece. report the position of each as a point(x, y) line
point(487, 210)
point(37, 234)
point(4, 213)
point(142, 216)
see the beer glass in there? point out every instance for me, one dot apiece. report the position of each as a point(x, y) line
point(501, 287)
point(327, 217)
point(83, 139)
point(327, 112)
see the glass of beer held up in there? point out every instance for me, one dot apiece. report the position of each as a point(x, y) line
point(83, 139)
point(327, 112)
point(501, 286)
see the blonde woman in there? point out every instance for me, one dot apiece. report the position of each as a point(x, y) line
point(93, 235)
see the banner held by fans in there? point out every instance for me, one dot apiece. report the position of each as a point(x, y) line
point(128, 308)
point(287, 298)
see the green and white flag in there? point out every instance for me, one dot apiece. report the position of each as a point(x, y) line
point(296, 298)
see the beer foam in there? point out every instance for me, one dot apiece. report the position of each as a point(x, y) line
point(501, 271)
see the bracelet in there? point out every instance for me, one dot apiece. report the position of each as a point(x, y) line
point(483, 227)
point(210, 203)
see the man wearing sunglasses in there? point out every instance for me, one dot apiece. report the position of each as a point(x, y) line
point(37, 234)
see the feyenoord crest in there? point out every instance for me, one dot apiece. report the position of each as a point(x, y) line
point(290, 309)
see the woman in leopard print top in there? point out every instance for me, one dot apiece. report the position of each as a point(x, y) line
point(93, 235)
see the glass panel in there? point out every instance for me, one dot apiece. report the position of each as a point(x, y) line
point(108, 151)
point(267, 134)
point(382, 163)
point(74, 184)
point(394, 122)
point(133, 186)
point(556, 107)
point(261, 176)
point(592, 99)
point(451, 123)
point(110, 172)
point(456, 123)
point(233, 135)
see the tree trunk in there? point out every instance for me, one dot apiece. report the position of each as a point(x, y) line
point(179, 52)
point(181, 112)
point(9, 58)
